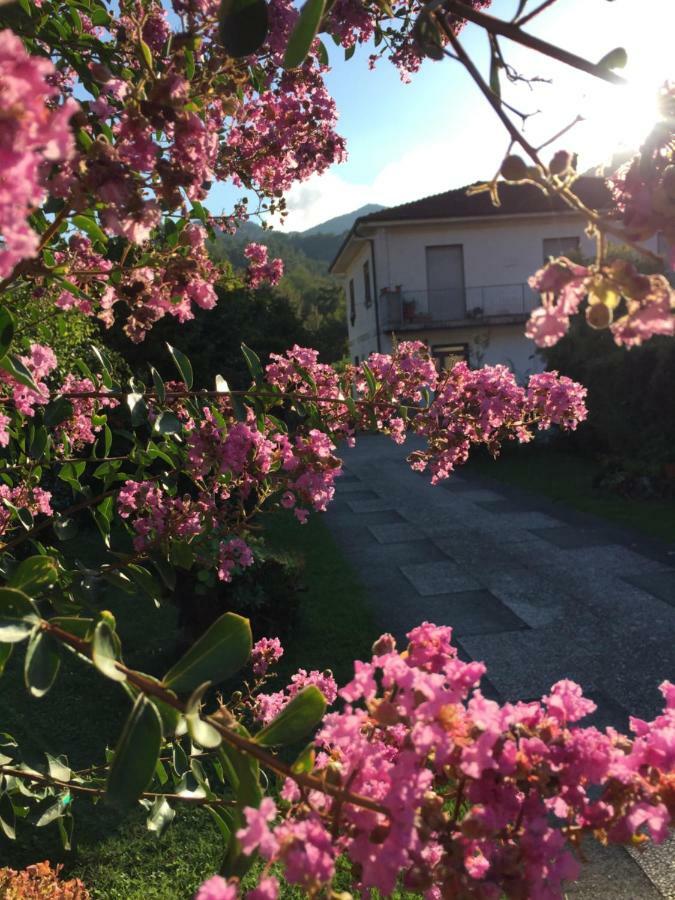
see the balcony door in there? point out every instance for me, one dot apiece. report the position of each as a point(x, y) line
point(445, 282)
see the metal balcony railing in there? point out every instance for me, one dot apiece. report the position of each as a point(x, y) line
point(402, 308)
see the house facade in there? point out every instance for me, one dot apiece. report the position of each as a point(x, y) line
point(452, 270)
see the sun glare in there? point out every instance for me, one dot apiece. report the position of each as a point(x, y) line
point(618, 120)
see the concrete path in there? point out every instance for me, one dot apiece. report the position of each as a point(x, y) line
point(536, 591)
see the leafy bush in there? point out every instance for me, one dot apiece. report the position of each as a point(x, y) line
point(40, 882)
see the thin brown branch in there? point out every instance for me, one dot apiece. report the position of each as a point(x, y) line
point(243, 744)
point(535, 12)
point(514, 33)
point(487, 92)
point(39, 778)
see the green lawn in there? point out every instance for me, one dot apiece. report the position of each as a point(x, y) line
point(120, 860)
point(568, 478)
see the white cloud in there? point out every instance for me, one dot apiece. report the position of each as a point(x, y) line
point(423, 170)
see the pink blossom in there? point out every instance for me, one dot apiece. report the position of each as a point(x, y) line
point(265, 653)
point(216, 888)
point(257, 835)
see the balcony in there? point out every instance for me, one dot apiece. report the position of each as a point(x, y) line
point(405, 310)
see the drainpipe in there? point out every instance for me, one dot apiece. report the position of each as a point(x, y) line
point(375, 292)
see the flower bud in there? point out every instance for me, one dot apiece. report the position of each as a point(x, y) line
point(598, 315)
point(561, 163)
point(100, 72)
point(386, 643)
point(514, 169)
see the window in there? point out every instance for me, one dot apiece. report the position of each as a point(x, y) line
point(366, 283)
point(352, 302)
point(561, 246)
point(446, 355)
point(356, 360)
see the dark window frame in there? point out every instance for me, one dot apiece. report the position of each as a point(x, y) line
point(352, 302)
point(368, 293)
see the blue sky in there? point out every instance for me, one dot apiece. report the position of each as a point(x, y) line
point(409, 140)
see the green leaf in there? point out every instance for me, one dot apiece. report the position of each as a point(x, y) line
point(105, 651)
point(58, 769)
point(615, 59)
point(7, 816)
point(304, 33)
point(168, 423)
point(296, 719)
point(82, 628)
point(5, 653)
point(58, 411)
point(34, 573)
point(6, 330)
point(160, 817)
point(160, 390)
point(183, 365)
point(182, 554)
point(136, 755)
point(64, 529)
point(370, 378)
point(18, 370)
point(42, 663)
point(18, 616)
point(202, 734)
point(427, 36)
point(323, 54)
point(243, 26)
point(219, 653)
point(304, 763)
point(253, 362)
point(147, 53)
point(138, 408)
point(91, 228)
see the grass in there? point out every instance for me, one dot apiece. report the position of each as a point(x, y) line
point(569, 478)
point(119, 859)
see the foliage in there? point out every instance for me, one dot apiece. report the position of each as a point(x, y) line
point(40, 882)
point(102, 211)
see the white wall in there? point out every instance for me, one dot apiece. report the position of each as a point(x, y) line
point(496, 252)
point(363, 334)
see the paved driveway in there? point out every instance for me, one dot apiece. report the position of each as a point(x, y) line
point(536, 591)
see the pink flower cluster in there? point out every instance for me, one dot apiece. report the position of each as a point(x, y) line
point(40, 363)
point(158, 517)
point(283, 135)
point(265, 653)
point(233, 554)
point(487, 406)
point(262, 270)
point(171, 288)
point(649, 302)
point(80, 428)
point(35, 134)
point(644, 188)
point(268, 706)
point(472, 798)
point(35, 500)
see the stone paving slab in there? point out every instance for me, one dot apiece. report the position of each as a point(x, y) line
point(441, 577)
point(472, 612)
point(610, 873)
point(396, 532)
point(657, 861)
point(355, 487)
point(373, 504)
point(660, 584)
point(538, 591)
point(361, 495)
point(569, 537)
point(507, 506)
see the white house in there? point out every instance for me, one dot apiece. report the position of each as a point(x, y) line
point(452, 270)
